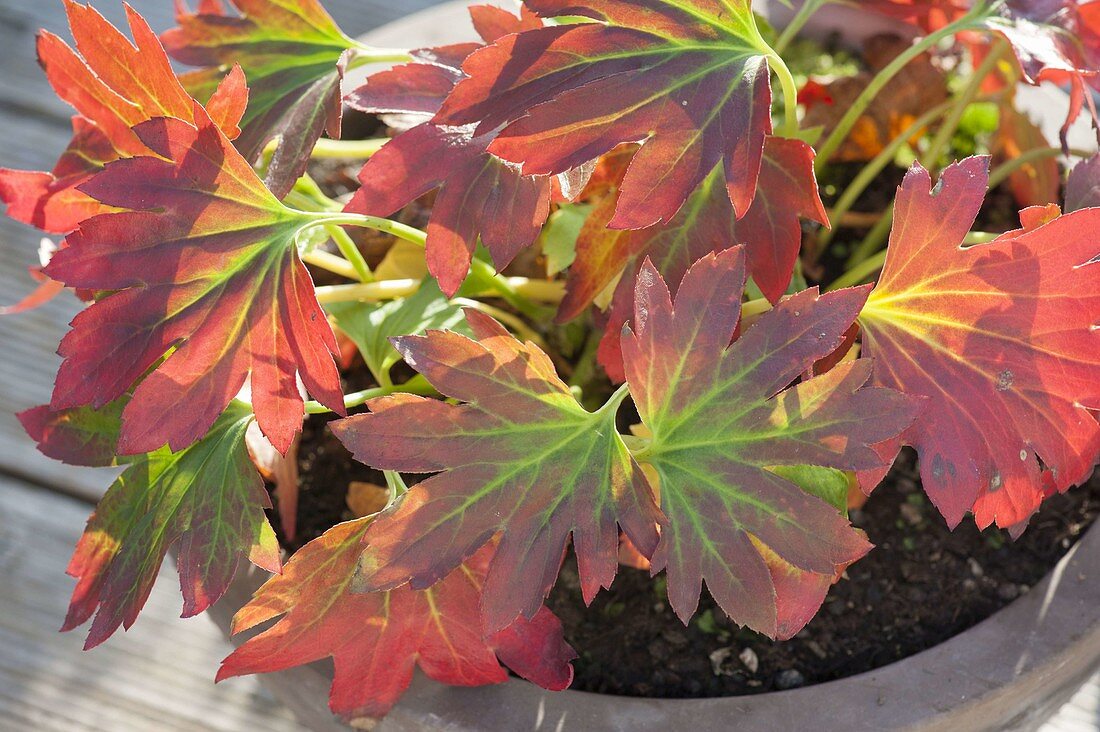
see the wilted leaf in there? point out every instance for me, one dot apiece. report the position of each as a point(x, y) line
point(227, 303)
point(520, 458)
point(687, 77)
point(293, 55)
point(1001, 340)
point(722, 419)
point(377, 639)
point(207, 499)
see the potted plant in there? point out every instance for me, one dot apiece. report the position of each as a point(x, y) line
point(580, 303)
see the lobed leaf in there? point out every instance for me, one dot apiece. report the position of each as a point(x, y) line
point(1000, 338)
point(204, 271)
point(519, 458)
point(722, 420)
point(689, 78)
point(294, 57)
point(114, 85)
point(207, 499)
point(478, 194)
point(377, 639)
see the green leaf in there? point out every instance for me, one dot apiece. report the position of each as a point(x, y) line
point(372, 325)
point(559, 236)
point(207, 498)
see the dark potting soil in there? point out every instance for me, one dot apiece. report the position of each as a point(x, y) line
point(921, 585)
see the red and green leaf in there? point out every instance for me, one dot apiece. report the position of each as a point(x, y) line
point(519, 458)
point(377, 639)
point(114, 85)
point(81, 436)
point(999, 338)
point(479, 196)
point(689, 78)
point(203, 269)
point(724, 425)
point(208, 500)
point(770, 231)
point(293, 55)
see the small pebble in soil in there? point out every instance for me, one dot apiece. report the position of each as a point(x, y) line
point(975, 568)
point(789, 678)
point(749, 659)
point(718, 660)
point(1008, 591)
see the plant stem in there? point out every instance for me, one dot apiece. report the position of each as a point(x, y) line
point(416, 385)
point(1007, 168)
point(351, 253)
point(520, 287)
point(330, 262)
point(347, 149)
point(870, 171)
point(388, 226)
point(859, 106)
point(859, 273)
point(790, 95)
point(874, 238)
point(809, 7)
point(367, 291)
point(962, 100)
point(363, 55)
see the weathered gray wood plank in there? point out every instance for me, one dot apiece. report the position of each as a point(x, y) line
point(159, 675)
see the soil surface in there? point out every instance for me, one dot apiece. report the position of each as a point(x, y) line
point(921, 585)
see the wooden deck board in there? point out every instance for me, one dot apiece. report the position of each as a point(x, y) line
point(159, 675)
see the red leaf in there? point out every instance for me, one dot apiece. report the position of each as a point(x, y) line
point(492, 22)
point(206, 499)
point(928, 15)
point(521, 458)
point(235, 303)
point(689, 78)
point(114, 85)
point(376, 639)
point(724, 423)
point(1000, 338)
point(293, 55)
point(770, 231)
point(479, 196)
